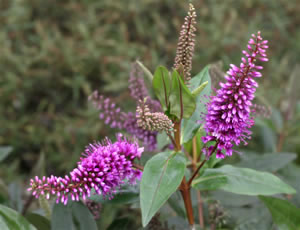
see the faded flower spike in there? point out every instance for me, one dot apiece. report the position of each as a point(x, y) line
point(153, 121)
point(186, 45)
point(228, 113)
point(103, 167)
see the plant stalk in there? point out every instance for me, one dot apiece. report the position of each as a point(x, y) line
point(200, 207)
point(184, 187)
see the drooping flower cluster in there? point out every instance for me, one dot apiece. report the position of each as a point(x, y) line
point(228, 113)
point(103, 167)
point(186, 45)
point(113, 116)
point(153, 121)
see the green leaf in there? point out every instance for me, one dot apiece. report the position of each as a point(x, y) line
point(10, 219)
point(191, 126)
point(83, 217)
point(62, 217)
point(4, 152)
point(267, 162)
point(285, 215)
point(40, 222)
point(162, 140)
point(161, 177)
point(162, 85)
point(182, 102)
point(72, 216)
point(127, 197)
point(145, 70)
point(242, 181)
point(197, 91)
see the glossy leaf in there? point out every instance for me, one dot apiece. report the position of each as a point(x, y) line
point(190, 126)
point(242, 181)
point(161, 84)
point(10, 219)
point(182, 102)
point(266, 162)
point(285, 215)
point(161, 177)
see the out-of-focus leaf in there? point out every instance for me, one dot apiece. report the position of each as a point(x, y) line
point(122, 223)
point(15, 194)
point(242, 181)
point(161, 177)
point(266, 162)
point(146, 71)
point(10, 219)
point(62, 217)
point(126, 197)
point(40, 222)
point(83, 217)
point(72, 216)
point(269, 139)
point(290, 174)
point(162, 140)
point(285, 215)
point(4, 152)
point(174, 202)
point(191, 125)
point(182, 102)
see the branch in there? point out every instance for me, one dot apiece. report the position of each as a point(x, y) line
point(140, 167)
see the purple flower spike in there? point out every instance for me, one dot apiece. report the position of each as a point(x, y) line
point(102, 168)
point(228, 113)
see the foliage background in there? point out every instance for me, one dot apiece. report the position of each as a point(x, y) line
point(55, 53)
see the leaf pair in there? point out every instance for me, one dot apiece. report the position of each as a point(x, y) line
point(176, 99)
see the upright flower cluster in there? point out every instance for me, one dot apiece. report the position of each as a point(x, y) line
point(228, 113)
point(103, 167)
point(186, 45)
point(153, 121)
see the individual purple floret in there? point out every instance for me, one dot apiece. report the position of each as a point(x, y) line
point(228, 113)
point(103, 167)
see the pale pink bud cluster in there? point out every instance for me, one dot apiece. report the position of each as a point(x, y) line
point(153, 121)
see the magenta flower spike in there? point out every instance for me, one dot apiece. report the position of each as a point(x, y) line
point(228, 117)
point(103, 167)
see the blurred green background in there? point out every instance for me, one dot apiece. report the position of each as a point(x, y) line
point(54, 53)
